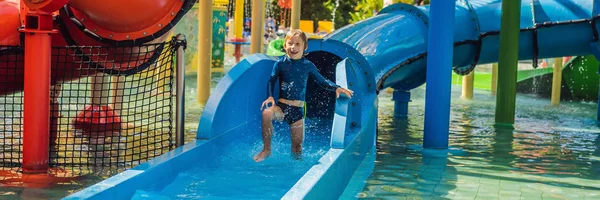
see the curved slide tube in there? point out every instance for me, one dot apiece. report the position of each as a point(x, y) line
point(387, 50)
point(113, 23)
point(561, 28)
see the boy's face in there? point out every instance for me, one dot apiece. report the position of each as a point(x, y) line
point(294, 47)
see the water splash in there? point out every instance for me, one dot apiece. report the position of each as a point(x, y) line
point(337, 4)
point(268, 12)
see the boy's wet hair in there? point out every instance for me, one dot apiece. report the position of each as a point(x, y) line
point(297, 32)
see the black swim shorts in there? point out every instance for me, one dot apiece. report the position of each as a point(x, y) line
point(291, 113)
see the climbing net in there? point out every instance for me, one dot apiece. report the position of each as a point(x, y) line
point(109, 106)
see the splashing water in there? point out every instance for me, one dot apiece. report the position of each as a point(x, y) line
point(337, 4)
point(268, 12)
point(234, 168)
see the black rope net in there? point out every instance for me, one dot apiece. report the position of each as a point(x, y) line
point(11, 106)
point(109, 106)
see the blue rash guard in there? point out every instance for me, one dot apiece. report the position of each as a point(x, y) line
point(293, 76)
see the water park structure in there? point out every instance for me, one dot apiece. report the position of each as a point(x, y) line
point(403, 47)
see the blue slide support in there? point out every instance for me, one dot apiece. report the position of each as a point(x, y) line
point(401, 100)
point(387, 50)
point(439, 75)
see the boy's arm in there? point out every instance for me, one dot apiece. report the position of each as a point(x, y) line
point(322, 81)
point(273, 79)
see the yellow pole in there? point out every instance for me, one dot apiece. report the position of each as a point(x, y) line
point(494, 77)
point(556, 82)
point(100, 87)
point(231, 32)
point(467, 86)
point(257, 25)
point(296, 4)
point(118, 87)
point(238, 17)
point(160, 72)
point(204, 51)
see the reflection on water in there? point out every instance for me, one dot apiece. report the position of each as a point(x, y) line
point(552, 153)
point(59, 183)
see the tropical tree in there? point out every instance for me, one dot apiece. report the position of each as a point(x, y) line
point(319, 10)
point(341, 12)
point(367, 8)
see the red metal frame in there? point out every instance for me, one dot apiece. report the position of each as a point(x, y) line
point(38, 28)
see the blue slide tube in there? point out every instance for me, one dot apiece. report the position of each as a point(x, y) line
point(395, 41)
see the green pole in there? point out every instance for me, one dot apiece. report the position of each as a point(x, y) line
point(508, 60)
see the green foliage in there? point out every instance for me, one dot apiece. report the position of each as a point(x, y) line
point(366, 9)
point(346, 11)
point(314, 10)
point(342, 12)
point(319, 10)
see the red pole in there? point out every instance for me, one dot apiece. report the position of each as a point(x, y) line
point(238, 52)
point(36, 124)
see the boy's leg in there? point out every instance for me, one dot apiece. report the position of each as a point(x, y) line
point(297, 130)
point(268, 115)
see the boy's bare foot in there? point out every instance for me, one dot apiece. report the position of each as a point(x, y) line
point(262, 155)
point(297, 156)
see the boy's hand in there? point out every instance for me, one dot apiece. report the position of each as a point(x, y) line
point(345, 91)
point(265, 103)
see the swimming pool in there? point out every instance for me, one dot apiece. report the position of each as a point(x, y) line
point(553, 153)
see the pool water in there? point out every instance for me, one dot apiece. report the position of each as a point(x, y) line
point(67, 181)
point(552, 153)
point(235, 175)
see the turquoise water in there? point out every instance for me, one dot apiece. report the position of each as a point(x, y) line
point(553, 153)
point(234, 174)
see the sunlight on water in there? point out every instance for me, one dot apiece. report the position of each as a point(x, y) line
point(552, 153)
point(235, 168)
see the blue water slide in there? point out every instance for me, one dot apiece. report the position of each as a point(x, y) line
point(394, 42)
point(387, 50)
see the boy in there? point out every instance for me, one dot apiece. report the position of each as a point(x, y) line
point(293, 72)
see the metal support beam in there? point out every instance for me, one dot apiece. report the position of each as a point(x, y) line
point(180, 119)
point(401, 100)
point(440, 47)
point(507, 63)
